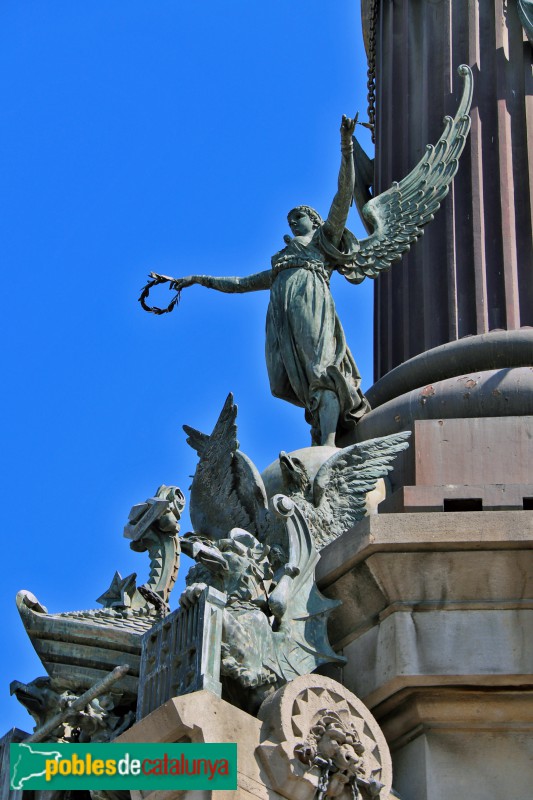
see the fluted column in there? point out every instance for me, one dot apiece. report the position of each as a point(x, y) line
point(472, 272)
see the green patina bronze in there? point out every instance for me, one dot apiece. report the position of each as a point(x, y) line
point(309, 363)
point(525, 12)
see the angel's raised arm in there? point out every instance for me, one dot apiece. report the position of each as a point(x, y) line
point(338, 213)
point(230, 285)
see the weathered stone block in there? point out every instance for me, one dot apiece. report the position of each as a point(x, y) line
point(436, 626)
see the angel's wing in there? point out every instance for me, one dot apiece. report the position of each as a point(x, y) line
point(227, 490)
point(343, 481)
point(397, 216)
point(525, 12)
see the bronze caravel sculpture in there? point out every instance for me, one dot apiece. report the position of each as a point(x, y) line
point(309, 363)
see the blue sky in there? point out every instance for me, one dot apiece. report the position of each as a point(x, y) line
point(142, 136)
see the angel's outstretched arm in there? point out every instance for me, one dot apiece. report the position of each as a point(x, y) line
point(338, 213)
point(250, 283)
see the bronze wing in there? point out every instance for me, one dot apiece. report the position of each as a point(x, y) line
point(397, 217)
point(227, 490)
point(343, 481)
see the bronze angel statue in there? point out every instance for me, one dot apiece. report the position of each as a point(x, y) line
point(309, 363)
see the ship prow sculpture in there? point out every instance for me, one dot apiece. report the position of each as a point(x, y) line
point(79, 648)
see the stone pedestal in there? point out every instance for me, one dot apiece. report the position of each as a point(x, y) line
point(461, 743)
point(281, 754)
point(204, 717)
point(478, 464)
point(469, 406)
point(437, 625)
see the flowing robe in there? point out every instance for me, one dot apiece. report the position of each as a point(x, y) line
point(306, 350)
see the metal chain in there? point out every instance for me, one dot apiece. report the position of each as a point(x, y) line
point(371, 73)
point(323, 785)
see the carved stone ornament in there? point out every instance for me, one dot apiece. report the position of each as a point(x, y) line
point(319, 740)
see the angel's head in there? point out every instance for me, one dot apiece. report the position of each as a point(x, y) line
point(303, 220)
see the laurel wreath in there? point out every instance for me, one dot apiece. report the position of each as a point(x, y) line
point(156, 280)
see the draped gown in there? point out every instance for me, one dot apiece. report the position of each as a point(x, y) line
point(306, 350)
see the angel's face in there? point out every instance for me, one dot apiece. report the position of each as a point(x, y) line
point(300, 223)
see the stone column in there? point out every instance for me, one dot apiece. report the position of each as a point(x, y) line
point(473, 270)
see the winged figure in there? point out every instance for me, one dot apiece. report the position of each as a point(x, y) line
point(309, 363)
point(262, 552)
point(262, 556)
point(525, 12)
point(228, 491)
point(336, 499)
